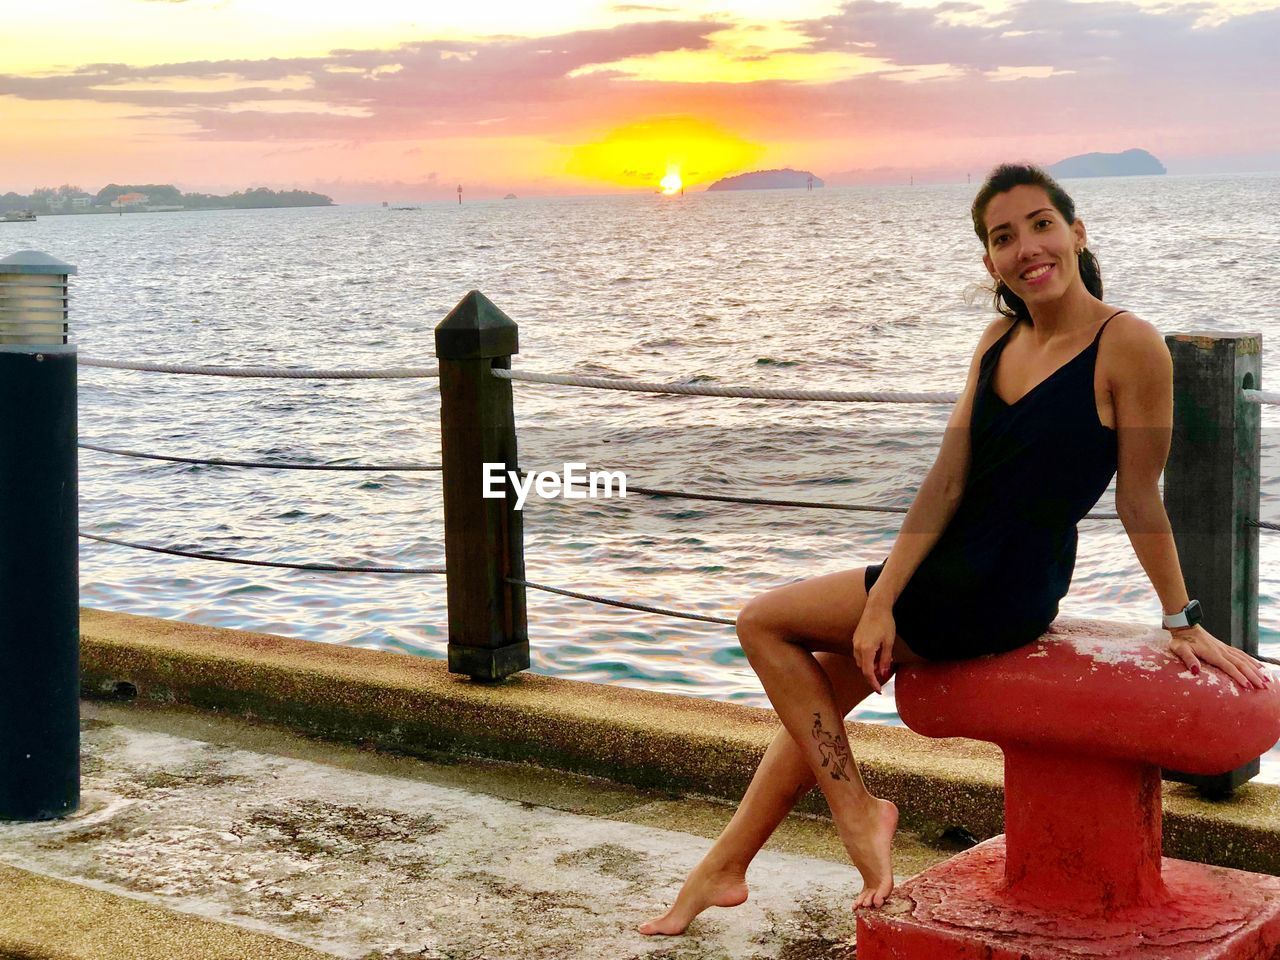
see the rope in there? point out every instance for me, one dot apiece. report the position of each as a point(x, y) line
point(1260, 396)
point(726, 498)
point(812, 504)
point(323, 567)
point(271, 464)
point(754, 393)
point(1262, 524)
point(608, 601)
point(275, 373)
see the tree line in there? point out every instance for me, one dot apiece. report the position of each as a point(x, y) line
point(60, 199)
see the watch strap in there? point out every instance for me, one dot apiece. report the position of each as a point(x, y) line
point(1186, 617)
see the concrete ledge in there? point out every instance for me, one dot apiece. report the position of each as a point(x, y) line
point(680, 744)
point(45, 919)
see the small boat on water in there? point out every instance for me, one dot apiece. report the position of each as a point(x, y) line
point(17, 216)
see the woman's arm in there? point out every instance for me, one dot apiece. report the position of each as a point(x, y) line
point(931, 510)
point(1142, 394)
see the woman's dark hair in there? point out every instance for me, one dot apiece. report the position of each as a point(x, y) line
point(1004, 178)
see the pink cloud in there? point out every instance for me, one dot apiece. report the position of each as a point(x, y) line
point(1127, 75)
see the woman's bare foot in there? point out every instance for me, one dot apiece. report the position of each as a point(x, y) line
point(869, 843)
point(703, 888)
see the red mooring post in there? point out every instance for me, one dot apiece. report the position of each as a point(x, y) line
point(1086, 717)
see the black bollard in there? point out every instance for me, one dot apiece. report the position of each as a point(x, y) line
point(39, 564)
point(484, 538)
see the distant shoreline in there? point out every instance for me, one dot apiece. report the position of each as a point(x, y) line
point(152, 198)
point(98, 212)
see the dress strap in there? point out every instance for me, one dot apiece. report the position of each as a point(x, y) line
point(1098, 335)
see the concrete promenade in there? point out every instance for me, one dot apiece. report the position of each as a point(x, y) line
point(253, 796)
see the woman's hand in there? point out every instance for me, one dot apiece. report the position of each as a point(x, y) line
point(1193, 644)
point(873, 644)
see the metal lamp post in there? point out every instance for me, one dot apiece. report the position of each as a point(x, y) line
point(39, 568)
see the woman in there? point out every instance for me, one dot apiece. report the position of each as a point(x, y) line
point(1051, 411)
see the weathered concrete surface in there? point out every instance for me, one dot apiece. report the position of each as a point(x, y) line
point(680, 744)
point(361, 854)
point(46, 919)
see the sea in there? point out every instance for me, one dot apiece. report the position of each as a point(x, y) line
point(859, 288)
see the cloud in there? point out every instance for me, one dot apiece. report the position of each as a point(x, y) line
point(1114, 37)
point(409, 91)
point(1102, 75)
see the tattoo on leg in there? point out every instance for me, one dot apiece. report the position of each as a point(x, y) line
point(834, 754)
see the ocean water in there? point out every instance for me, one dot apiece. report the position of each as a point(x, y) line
point(868, 288)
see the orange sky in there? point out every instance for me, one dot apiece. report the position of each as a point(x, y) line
point(382, 100)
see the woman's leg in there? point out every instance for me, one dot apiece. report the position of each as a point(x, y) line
point(827, 610)
point(781, 779)
point(803, 698)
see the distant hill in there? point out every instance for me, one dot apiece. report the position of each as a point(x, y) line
point(768, 180)
point(1131, 163)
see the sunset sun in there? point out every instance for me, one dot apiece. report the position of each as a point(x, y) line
point(673, 152)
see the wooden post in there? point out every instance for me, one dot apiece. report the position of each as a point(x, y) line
point(1211, 494)
point(484, 538)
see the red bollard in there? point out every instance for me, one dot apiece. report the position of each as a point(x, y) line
point(1086, 718)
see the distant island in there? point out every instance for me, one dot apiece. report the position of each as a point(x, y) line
point(1131, 163)
point(768, 180)
point(152, 198)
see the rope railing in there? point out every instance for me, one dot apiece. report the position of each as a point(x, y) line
point(704, 390)
point(809, 504)
point(763, 501)
point(624, 604)
point(505, 373)
point(272, 373)
point(269, 464)
point(645, 608)
point(1261, 396)
point(317, 567)
point(598, 383)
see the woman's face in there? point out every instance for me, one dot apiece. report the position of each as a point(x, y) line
point(1030, 246)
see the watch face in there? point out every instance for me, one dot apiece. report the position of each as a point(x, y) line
point(1193, 613)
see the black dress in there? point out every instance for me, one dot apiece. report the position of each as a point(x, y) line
point(993, 580)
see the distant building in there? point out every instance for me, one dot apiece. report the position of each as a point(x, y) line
point(81, 203)
point(129, 200)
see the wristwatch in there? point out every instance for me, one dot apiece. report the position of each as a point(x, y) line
point(1188, 616)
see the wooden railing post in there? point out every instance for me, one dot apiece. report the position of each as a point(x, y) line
point(1211, 492)
point(484, 538)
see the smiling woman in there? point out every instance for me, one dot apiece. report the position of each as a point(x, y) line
point(670, 152)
